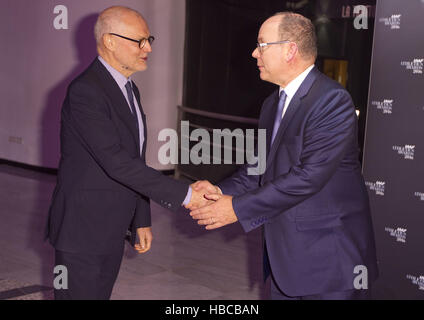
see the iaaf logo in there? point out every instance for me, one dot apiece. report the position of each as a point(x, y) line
point(393, 21)
point(377, 186)
point(386, 105)
point(416, 280)
point(399, 233)
point(419, 195)
point(415, 65)
point(407, 151)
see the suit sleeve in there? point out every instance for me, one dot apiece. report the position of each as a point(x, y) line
point(240, 182)
point(88, 117)
point(142, 216)
point(328, 133)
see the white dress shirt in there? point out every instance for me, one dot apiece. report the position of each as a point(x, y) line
point(293, 86)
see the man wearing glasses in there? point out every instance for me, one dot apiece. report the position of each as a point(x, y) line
point(104, 185)
point(311, 201)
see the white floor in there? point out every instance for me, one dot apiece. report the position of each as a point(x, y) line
point(186, 262)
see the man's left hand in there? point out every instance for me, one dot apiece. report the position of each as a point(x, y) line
point(145, 235)
point(217, 214)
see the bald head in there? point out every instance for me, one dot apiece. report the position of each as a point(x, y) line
point(122, 37)
point(114, 19)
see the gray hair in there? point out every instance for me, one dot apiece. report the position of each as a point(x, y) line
point(299, 29)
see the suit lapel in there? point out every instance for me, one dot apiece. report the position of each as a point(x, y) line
point(267, 122)
point(118, 99)
point(293, 107)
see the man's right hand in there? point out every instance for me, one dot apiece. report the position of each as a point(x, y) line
point(199, 190)
point(206, 187)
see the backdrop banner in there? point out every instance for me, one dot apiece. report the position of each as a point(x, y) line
point(394, 148)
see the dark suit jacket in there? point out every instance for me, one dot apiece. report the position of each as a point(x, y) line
point(103, 184)
point(312, 199)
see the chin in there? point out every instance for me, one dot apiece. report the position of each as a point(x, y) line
point(142, 67)
point(263, 77)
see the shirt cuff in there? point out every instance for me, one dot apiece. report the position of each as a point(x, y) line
point(188, 197)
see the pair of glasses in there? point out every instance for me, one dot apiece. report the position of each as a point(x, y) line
point(141, 42)
point(262, 45)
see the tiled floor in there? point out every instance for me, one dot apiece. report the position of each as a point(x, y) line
point(185, 262)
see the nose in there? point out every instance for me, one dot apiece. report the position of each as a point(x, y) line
point(255, 53)
point(147, 47)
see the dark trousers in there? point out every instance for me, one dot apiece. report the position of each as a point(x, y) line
point(277, 294)
point(90, 276)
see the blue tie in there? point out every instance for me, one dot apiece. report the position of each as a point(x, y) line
point(279, 115)
point(131, 100)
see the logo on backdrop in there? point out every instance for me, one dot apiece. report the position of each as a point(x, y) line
point(393, 21)
point(407, 151)
point(377, 186)
point(399, 234)
point(419, 195)
point(385, 106)
point(419, 281)
point(416, 65)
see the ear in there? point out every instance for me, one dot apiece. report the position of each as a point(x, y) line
point(291, 51)
point(108, 42)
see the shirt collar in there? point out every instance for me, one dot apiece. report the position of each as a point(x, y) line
point(120, 79)
point(294, 85)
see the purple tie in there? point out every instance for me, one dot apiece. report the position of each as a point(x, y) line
point(279, 115)
point(128, 86)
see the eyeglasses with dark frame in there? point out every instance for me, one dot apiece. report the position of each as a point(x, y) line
point(141, 42)
point(262, 45)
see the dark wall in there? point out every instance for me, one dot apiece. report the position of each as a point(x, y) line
point(221, 75)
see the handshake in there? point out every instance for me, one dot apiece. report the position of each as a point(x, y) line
point(209, 206)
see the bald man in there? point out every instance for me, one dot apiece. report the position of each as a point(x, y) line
point(104, 185)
